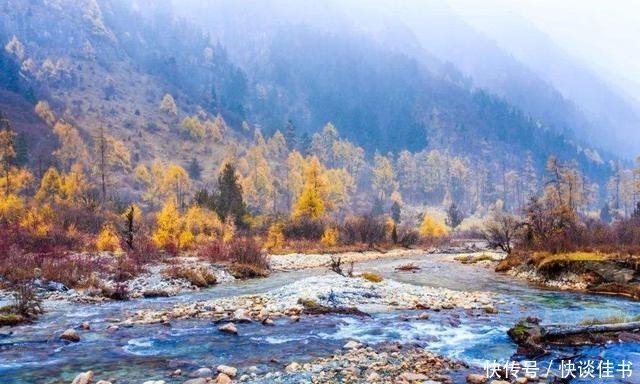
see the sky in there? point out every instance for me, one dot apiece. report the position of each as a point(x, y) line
point(603, 33)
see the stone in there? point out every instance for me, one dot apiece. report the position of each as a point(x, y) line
point(228, 328)
point(86, 326)
point(227, 370)
point(196, 381)
point(155, 382)
point(70, 335)
point(424, 316)
point(295, 318)
point(83, 378)
point(499, 382)
point(373, 376)
point(223, 379)
point(352, 345)
point(293, 367)
point(241, 316)
point(490, 309)
point(522, 380)
point(268, 321)
point(411, 377)
point(202, 372)
point(476, 378)
point(106, 382)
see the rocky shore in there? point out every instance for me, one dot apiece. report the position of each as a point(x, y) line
point(328, 291)
point(298, 261)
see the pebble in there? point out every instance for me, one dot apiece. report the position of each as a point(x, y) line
point(228, 328)
point(86, 326)
point(227, 370)
point(155, 382)
point(70, 335)
point(411, 377)
point(424, 316)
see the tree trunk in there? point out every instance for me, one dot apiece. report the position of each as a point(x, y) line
point(567, 330)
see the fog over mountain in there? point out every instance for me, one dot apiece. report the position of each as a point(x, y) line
point(517, 51)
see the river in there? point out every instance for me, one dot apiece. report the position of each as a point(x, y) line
point(33, 353)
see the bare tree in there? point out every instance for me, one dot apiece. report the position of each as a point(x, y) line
point(501, 230)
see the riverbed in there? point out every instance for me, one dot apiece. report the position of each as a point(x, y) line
point(33, 353)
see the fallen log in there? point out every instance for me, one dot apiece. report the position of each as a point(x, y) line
point(533, 339)
point(568, 330)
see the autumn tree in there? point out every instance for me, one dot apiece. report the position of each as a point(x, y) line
point(72, 148)
point(7, 151)
point(176, 183)
point(310, 203)
point(111, 155)
point(384, 178)
point(168, 105)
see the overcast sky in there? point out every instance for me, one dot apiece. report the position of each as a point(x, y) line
point(603, 33)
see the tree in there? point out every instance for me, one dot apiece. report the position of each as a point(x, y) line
point(384, 178)
point(111, 154)
point(230, 203)
point(168, 223)
point(501, 230)
point(176, 184)
point(454, 216)
point(311, 204)
point(290, 135)
point(132, 217)
point(44, 111)
point(72, 148)
point(168, 105)
point(430, 227)
point(192, 126)
point(396, 211)
point(7, 151)
point(194, 169)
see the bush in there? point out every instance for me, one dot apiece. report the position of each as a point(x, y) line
point(247, 251)
point(108, 239)
point(365, 229)
point(432, 228)
point(408, 237)
point(198, 276)
point(330, 237)
point(304, 228)
point(275, 237)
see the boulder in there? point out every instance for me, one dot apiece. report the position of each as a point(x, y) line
point(70, 335)
point(241, 316)
point(83, 378)
point(227, 370)
point(352, 345)
point(202, 372)
point(228, 328)
point(86, 326)
point(490, 309)
point(293, 367)
point(223, 379)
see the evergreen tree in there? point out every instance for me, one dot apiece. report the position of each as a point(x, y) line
point(290, 135)
point(395, 212)
point(230, 201)
point(454, 216)
point(194, 169)
point(305, 144)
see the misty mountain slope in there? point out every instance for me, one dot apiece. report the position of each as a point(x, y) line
point(109, 64)
point(605, 105)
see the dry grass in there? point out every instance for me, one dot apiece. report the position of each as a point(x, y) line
point(198, 276)
point(542, 259)
point(610, 320)
point(372, 277)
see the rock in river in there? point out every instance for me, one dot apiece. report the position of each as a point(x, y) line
point(70, 335)
point(202, 372)
point(228, 328)
point(352, 345)
point(476, 378)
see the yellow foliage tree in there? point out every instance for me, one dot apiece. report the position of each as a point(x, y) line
point(275, 237)
point(430, 227)
point(38, 220)
point(176, 183)
point(202, 223)
point(108, 239)
point(11, 208)
point(167, 226)
point(72, 149)
point(311, 202)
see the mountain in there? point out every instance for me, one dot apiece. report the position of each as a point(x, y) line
point(109, 63)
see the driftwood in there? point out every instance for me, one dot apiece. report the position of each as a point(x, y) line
point(568, 330)
point(533, 338)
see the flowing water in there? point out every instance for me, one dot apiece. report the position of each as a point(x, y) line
point(33, 354)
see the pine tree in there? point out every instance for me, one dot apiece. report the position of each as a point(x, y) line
point(290, 135)
point(230, 203)
point(194, 169)
point(395, 211)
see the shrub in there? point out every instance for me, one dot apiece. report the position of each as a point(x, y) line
point(329, 237)
point(431, 228)
point(275, 237)
point(366, 229)
point(304, 228)
point(408, 237)
point(119, 292)
point(198, 276)
point(246, 250)
point(247, 271)
point(108, 239)
point(27, 303)
point(372, 277)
